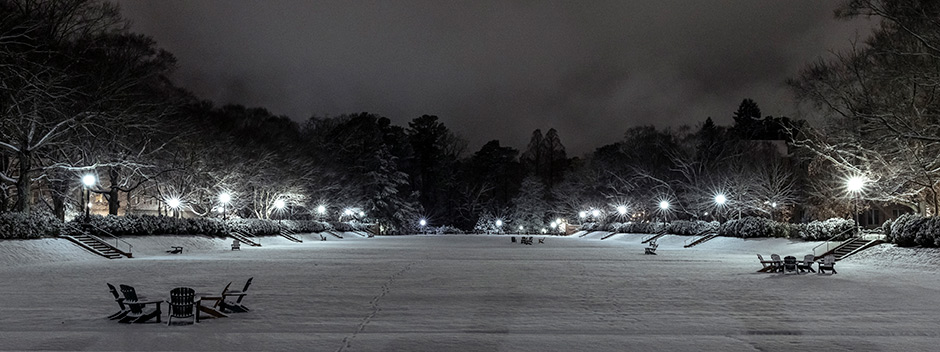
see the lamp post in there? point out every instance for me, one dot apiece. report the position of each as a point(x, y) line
point(720, 201)
point(321, 210)
point(224, 198)
point(664, 207)
point(88, 181)
point(622, 210)
point(499, 225)
point(854, 185)
point(174, 203)
point(422, 222)
point(279, 205)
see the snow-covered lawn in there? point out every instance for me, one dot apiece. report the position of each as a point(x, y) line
point(476, 293)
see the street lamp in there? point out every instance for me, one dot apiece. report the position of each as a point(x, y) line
point(224, 198)
point(622, 210)
point(664, 207)
point(279, 205)
point(422, 223)
point(88, 181)
point(595, 213)
point(521, 229)
point(499, 225)
point(855, 185)
point(720, 201)
point(174, 203)
point(321, 210)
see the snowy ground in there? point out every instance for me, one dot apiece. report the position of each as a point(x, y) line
point(476, 293)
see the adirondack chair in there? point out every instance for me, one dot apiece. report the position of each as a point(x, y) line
point(807, 263)
point(765, 263)
point(512, 239)
point(530, 240)
point(120, 301)
point(237, 306)
point(828, 263)
point(236, 246)
point(322, 238)
point(542, 240)
point(789, 265)
point(651, 248)
point(182, 305)
point(777, 262)
point(136, 306)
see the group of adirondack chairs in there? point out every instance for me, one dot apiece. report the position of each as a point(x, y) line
point(184, 303)
point(789, 264)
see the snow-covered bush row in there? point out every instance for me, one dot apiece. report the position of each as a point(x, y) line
point(143, 225)
point(306, 226)
point(632, 227)
point(910, 230)
point(691, 228)
point(750, 227)
point(823, 230)
point(29, 225)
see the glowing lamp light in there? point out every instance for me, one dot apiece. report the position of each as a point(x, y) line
point(422, 222)
point(499, 223)
point(348, 212)
point(521, 228)
point(544, 230)
point(855, 183)
point(559, 221)
point(582, 214)
point(720, 199)
point(173, 202)
point(595, 213)
point(225, 198)
point(279, 204)
point(553, 224)
point(88, 180)
point(321, 209)
point(622, 210)
point(664, 205)
point(362, 214)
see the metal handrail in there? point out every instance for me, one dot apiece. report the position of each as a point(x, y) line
point(830, 240)
point(698, 236)
point(130, 247)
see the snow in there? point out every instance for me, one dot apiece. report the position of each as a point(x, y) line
point(475, 293)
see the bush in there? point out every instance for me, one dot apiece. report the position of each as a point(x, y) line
point(910, 230)
point(29, 225)
point(824, 230)
point(751, 227)
point(691, 228)
point(147, 225)
point(634, 227)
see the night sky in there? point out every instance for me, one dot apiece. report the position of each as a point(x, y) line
point(498, 69)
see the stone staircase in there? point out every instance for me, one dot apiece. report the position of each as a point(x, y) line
point(654, 237)
point(97, 246)
point(850, 247)
point(290, 235)
point(700, 240)
point(244, 237)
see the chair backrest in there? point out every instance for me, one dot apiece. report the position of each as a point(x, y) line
point(775, 257)
point(760, 257)
point(117, 297)
point(130, 296)
point(182, 302)
point(789, 260)
point(247, 284)
point(809, 259)
point(829, 259)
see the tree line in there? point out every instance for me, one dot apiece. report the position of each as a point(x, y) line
point(80, 93)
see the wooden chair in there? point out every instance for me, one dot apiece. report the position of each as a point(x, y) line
point(828, 263)
point(175, 250)
point(120, 301)
point(789, 265)
point(542, 240)
point(236, 245)
point(136, 306)
point(182, 305)
point(807, 263)
point(777, 262)
point(651, 248)
point(237, 306)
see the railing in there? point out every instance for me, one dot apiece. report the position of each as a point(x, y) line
point(130, 247)
point(698, 236)
point(828, 241)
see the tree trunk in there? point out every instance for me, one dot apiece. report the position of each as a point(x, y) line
point(114, 203)
point(23, 183)
point(59, 188)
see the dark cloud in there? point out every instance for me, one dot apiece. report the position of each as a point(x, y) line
point(498, 69)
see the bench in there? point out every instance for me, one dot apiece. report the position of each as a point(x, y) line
point(175, 250)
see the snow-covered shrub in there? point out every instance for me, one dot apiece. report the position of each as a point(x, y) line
point(904, 230)
point(690, 228)
point(306, 226)
point(29, 225)
point(824, 230)
point(750, 227)
point(591, 226)
point(145, 225)
point(254, 227)
point(638, 227)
